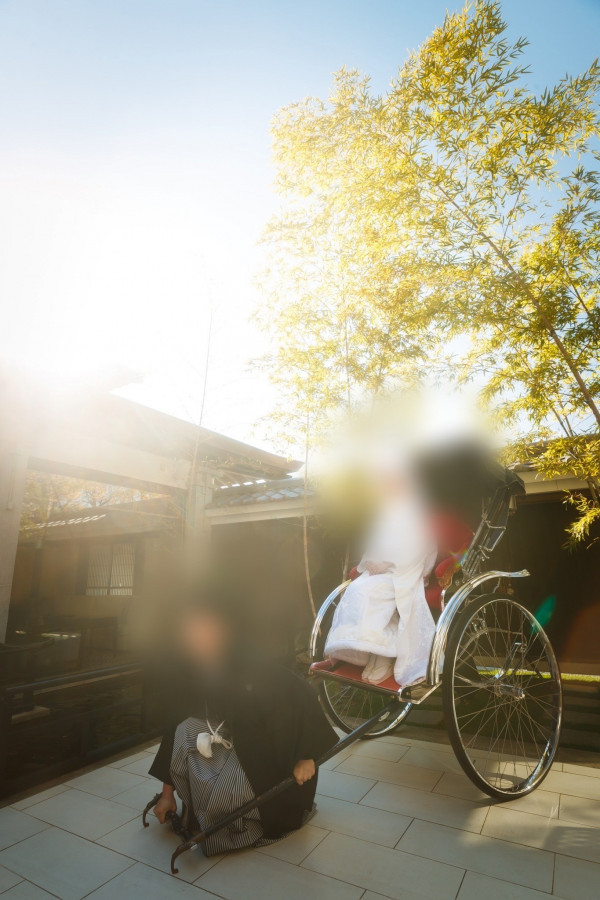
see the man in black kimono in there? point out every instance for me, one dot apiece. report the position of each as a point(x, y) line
point(237, 726)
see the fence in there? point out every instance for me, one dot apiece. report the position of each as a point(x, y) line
point(52, 726)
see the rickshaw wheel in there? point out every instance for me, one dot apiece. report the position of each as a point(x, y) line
point(347, 705)
point(502, 697)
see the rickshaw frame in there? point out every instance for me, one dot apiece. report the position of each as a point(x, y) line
point(450, 611)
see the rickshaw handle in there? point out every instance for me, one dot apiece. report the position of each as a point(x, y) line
point(277, 789)
point(170, 816)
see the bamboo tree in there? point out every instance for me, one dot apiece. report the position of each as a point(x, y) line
point(459, 204)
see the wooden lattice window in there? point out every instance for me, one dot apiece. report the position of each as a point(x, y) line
point(111, 569)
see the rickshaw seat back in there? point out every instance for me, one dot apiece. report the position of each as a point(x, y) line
point(433, 595)
point(453, 537)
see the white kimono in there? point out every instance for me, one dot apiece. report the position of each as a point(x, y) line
point(382, 618)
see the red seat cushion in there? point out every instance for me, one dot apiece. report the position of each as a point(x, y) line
point(350, 673)
point(453, 537)
point(433, 595)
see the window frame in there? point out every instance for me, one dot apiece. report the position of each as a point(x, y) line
point(109, 589)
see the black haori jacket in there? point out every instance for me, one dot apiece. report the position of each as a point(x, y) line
point(274, 719)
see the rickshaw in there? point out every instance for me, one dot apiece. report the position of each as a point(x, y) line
point(500, 681)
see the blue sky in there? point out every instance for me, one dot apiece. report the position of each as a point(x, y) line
point(136, 171)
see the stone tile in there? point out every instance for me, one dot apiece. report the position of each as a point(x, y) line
point(377, 749)
point(15, 826)
point(25, 890)
point(7, 879)
point(433, 746)
point(381, 870)
point(154, 846)
point(576, 769)
point(375, 825)
point(455, 785)
point(139, 796)
point(143, 883)
point(297, 845)
point(538, 803)
point(106, 782)
point(428, 806)
point(153, 748)
point(41, 795)
point(82, 813)
point(344, 787)
point(369, 895)
point(576, 879)
point(395, 738)
point(336, 760)
point(405, 894)
point(139, 766)
point(437, 760)
point(575, 785)
point(63, 864)
point(487, 855)
point(476, 887)
point(142, 756)
point(256, 876)
point(580, 810)
point(394, 773)
point(555, 835)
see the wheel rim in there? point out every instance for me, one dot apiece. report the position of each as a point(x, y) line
point(506, 697)
point(351, 706)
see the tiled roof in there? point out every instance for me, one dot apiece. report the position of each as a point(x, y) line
point(260, 492)
point(154, 514)
point(62, 523)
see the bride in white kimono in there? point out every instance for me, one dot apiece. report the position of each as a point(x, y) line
point(383, 622)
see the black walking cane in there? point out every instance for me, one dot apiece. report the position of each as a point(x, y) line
point(192, 842)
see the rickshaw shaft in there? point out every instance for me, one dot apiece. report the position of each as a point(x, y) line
point(277, 789)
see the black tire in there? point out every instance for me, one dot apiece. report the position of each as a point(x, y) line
point(502, 697)
point(347, 706)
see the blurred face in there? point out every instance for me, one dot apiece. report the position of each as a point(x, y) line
point(204, 637)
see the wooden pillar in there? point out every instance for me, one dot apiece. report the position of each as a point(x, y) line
point(197, 523)
point(13, 472)
point(16, 403)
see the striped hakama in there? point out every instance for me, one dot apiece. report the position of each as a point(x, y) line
point(210, 788)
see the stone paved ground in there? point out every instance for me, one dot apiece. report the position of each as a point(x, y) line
point(397, 819)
